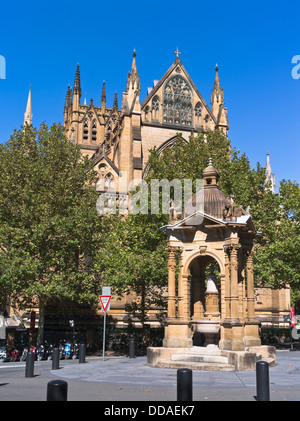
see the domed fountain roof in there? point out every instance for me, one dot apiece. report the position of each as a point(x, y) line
point(214, 199)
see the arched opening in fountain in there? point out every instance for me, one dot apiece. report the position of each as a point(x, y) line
point(205, 302)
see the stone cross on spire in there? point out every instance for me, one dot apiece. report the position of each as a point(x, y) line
point(177, 53)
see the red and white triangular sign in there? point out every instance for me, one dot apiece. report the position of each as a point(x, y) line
point(104, 300)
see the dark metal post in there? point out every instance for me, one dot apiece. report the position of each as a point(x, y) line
point(57, 390)
point(262, 381)
point(82, 353)
point(29, 364)
point(55, 359)
point(184, 384)
point(132, 349)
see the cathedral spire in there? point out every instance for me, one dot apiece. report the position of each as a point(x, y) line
point(133, 80)
point(28, 113)
point(217, 81)
point(77, 85)
point(115, 106)
point(76, 90)
point(131, 98)
point(217, 95)
point(103, 97)
point(217, 104)
point(68, 102)
point(270, 177)
point(133, 66)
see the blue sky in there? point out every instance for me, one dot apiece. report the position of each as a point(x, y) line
point(252, 42)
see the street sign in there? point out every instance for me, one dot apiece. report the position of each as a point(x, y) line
point(104, 300)
point(106, 291)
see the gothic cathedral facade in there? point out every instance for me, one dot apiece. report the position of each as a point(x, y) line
point(118, 139)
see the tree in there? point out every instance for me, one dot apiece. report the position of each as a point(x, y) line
point(277, 255)
point(276, 217)
point(188, 160)
point(132, 259)
point(48, 220)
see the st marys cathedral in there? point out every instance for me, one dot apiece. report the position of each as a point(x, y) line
point(118, 139)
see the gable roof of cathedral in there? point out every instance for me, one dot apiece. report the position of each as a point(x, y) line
point(102, 155)
point(89, 108)
point(176, 63)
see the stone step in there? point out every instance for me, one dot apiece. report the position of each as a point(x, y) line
point(195, 365)
point(200, 350)
point(200, 358)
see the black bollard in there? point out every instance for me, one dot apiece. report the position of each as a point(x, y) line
point(55, 359)
point(82, 348)
point(57, 390)
point(262, 381)
point(184, 384)
point(29, 364)
point(131, 349)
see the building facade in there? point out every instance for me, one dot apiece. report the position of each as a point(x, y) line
point(118, 139)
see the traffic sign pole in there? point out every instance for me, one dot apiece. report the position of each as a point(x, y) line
point(104, 300)
point(104, 335)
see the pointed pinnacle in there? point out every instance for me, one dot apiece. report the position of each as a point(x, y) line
point(77, 86)
point(133, 67)
point(115, 106)
point(103, 95)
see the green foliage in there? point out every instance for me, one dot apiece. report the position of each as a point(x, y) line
point(132, 258)
point(277, 257)
point(188, 160)
point(48, 218)
point(276, 336)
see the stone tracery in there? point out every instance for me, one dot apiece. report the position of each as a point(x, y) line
point(178, 102)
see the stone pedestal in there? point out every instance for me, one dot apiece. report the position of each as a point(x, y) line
point(177, 334)
point(251, 333)
point(212, 304)
point(232, 337)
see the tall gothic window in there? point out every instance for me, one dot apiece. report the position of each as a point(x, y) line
point(85, 130)
point(108, 182)
point(155, 108)
point(94, 131)
point(178, 107)
point(198, 113)
point(147, 110)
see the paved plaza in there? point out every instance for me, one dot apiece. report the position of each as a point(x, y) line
point(131, 379)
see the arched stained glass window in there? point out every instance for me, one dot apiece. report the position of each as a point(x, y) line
point(155, 108)
point(178, 107)
point(198, 114)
